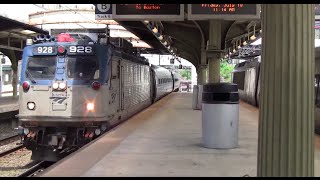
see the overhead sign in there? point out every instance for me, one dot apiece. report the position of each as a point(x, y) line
point(223, 11)
point(103, 11)
point(168, 12)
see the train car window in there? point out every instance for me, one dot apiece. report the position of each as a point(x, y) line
point(84, 67)
point(238, 78)
point(41, 67)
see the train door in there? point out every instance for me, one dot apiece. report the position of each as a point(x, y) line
point(115, 87)
point(121, 87)
point(153, 85)
point(172, 77)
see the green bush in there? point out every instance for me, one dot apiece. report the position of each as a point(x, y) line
point(226, 70)
point(186, 74)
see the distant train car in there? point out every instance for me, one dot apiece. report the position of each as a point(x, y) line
point(72, 90)
point(163, 81)
point(248, 77)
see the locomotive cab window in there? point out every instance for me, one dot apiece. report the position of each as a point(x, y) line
point(85, 67)
point(41, 67)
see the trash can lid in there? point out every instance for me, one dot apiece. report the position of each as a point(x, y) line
point(220, 93)
point(220, 87)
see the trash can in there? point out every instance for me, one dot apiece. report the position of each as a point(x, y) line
point(195, 97)
point(220, 115)
point(199, 104)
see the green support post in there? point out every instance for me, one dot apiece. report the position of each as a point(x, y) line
point(286, 121)
point(214, 44)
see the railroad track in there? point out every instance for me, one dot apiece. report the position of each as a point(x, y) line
point(36, 169)
point(9, 151)
point(10, 139)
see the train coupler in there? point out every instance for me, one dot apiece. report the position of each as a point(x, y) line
point(57, 140)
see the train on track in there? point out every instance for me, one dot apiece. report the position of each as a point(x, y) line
point(74, 88)
point(247, 75)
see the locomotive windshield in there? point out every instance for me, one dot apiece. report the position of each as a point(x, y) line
point(41, 67)
point(85, 67)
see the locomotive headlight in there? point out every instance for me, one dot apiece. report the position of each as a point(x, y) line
point(26, 131)
point(31, 105)
point(62, 85)
point(90, 106)
point(55, 85)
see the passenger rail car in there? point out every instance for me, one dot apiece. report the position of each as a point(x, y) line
point(163, 81)
point(73, 90)
point(247, 75)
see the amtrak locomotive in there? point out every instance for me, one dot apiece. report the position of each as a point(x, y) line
point(73, 89)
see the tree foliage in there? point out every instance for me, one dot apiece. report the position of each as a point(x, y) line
point(226, 70)
point(186, 74)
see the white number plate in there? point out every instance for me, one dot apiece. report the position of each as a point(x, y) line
point(80, 50)
point(44, 50)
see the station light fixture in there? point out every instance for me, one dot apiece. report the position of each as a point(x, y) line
point(29, 42)
point(234, 48)
point(27, 32)
point(165, 43)
point(146, 21)
point(160, 37)
point(244, 43)
point(239, 46)
point(155, 30)
point(253, 37)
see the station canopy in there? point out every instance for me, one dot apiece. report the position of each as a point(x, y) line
point(13, 35)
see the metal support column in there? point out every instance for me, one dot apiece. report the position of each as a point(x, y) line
point(214, 69)
point(214, 45)
point(286, 122)
point(203, 72)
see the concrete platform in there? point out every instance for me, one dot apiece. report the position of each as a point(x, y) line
point(8, 104)
point(165, 140)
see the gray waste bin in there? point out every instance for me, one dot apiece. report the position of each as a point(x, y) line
point(195, 97)
point(220, 115)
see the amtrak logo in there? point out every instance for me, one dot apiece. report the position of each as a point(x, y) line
point(58, 99)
